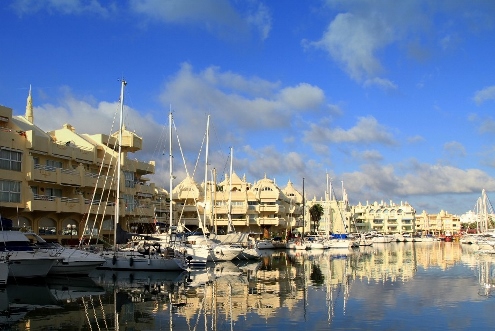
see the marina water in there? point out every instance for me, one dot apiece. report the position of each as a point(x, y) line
point(396, 286)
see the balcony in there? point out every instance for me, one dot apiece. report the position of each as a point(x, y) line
point(70, 177)
point(268, 208)
point(42, 173)
point(263, 221)
point(138, 166)
point(97, 207)
point(103, 182)
point(143, 190)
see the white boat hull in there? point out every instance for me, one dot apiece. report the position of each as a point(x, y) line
point(29, 264)
point(340, 243)
point(265, 244)
point(134, 261)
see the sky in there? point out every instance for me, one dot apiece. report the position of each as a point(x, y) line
point(392, 100)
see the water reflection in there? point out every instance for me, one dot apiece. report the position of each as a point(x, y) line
point(409, 285)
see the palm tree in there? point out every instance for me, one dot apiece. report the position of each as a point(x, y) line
point(316, 211)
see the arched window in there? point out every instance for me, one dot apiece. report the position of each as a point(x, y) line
point(69, 227)
point(47, 226)
point(23, 223)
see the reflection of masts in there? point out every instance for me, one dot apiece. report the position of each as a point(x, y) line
point(116, 312)
point(230, 308)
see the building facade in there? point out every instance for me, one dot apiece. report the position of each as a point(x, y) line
point(62, 184)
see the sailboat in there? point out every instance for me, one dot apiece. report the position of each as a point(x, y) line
point(251, 251)
point(217, 251)
point(167, 259)
point(196, 256)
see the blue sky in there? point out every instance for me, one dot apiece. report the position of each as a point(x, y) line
point(394, 98)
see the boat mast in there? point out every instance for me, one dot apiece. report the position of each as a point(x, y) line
point(117, 194)
point(206, 169)
point(171, 177)
point(304, 210)
point(231, 227)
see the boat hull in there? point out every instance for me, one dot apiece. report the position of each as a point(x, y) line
point(131, 261)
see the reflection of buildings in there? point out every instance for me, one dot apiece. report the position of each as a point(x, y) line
point(286, 282)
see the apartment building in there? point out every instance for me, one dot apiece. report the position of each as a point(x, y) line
point(62, 184)
point(261, 209)
point(438, 224)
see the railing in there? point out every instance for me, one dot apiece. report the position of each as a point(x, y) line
point(69, 171)
point(44, 167)
point(44, 197)
point(69, 200)
point(97, 202)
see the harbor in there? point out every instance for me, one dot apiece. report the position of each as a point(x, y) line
point(393, 286)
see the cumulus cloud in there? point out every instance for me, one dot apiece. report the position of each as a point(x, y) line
point(240, 102)
point(366, 131)
point(373, 181)
point(362, 29)
point(218, 16)
point(355, 36)
point(485, 94)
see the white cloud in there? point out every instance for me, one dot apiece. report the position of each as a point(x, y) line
point(366, 131)
point(368, 155)
point(65, 7)
point(375, 182)
point(382, 83)
point(454, 149)
point(415, 139)
point(217, 16)
point(238, 102)
point(488, 93)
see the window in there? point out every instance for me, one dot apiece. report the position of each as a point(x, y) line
point(53, 164)
point(47, 226)
point(130, 203)
point(53, 192)
point(10, 160)
point(10, 191)
point(129, 179)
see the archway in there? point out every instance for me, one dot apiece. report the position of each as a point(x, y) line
point(47, 226)
point(24, 224)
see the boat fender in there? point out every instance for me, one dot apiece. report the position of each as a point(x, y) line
point(114, 259)
point(131, 261)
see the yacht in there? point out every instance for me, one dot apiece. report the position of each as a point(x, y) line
point(24, 259)
point(265, 244)
point(74, 261)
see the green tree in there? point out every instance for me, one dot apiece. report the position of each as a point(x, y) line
point(315, 212)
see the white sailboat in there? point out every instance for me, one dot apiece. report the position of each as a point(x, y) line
point(167, 259)
point(249, 252)
point(217, 251)
point(196, 256)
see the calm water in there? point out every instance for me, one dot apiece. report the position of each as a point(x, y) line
point(405, 286)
